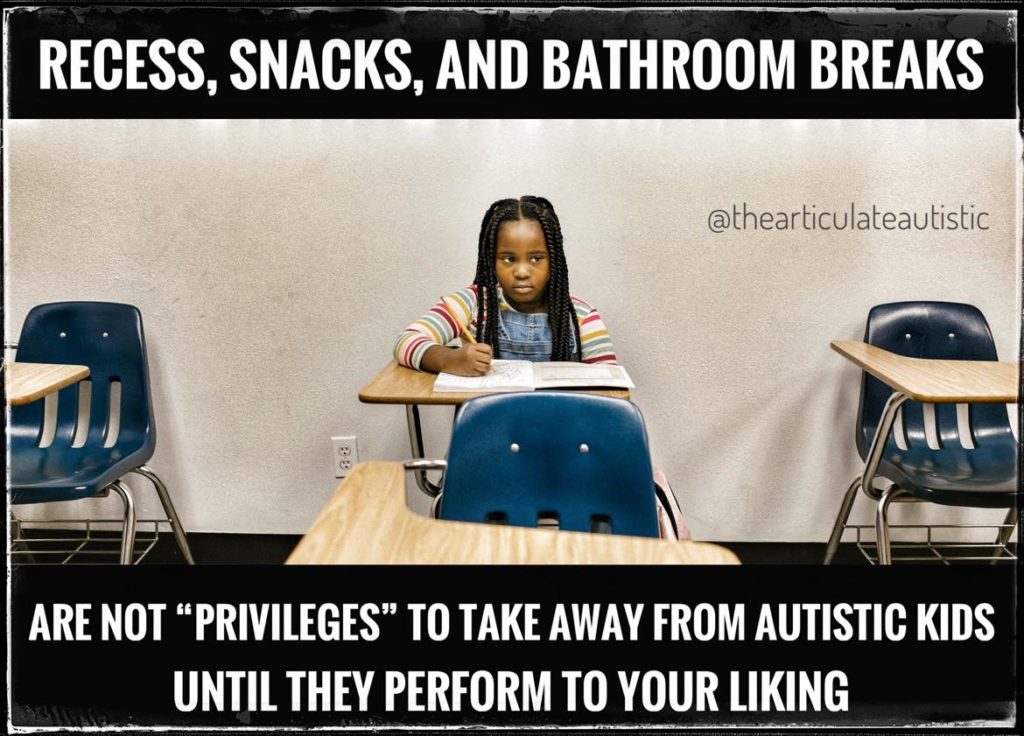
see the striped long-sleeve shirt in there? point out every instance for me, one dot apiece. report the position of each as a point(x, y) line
point(445, 320)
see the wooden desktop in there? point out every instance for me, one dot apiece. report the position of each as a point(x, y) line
point(28, 382)
point(396, 384)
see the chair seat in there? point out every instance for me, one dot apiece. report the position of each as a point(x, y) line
point(39, 475)
point(985, 476)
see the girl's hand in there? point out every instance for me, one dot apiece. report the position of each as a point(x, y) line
point(469, 360)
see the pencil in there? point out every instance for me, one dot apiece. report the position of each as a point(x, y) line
point(466, 337)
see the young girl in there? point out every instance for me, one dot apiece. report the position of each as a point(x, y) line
point(518, 307)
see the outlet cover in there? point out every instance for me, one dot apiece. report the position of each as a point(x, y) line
point(344, 455)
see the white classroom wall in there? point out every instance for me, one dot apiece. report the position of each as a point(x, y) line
point(275, 261)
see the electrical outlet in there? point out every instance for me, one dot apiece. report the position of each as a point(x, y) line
point(344, 455)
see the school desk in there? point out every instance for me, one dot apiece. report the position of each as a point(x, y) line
point(367, 521)
point(396, 384)
point(926, 380)
point(930, 381)
point(27, 382)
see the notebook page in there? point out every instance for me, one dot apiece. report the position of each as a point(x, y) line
point(566, 374)
point(505, 375)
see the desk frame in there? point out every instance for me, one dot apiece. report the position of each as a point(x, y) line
point(412, 418)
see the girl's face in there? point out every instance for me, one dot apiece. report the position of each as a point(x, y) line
point(522, 265)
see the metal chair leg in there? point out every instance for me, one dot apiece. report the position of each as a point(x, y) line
point(841, 519)
point(435, 506)
point(165, 499)
point(128, 533)
point(882, 524)
point(412, 418)
point(874, 458)
point(1005, 532)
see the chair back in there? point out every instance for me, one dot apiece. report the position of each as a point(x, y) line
point(580, 459)
point(934, 330)
point(108, 339)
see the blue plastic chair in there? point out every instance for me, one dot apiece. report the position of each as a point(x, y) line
point(543, 458)
point(108, 338)
point(985, 476)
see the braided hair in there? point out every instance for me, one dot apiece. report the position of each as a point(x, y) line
point(561, 312)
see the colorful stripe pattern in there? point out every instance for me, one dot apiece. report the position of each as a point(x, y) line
point(445, 320)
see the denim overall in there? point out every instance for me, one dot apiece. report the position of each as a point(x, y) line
point(523, 336)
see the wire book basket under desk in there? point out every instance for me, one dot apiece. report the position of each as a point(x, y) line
point(80, 542)
point(922, 546)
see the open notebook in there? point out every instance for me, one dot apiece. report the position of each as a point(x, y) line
point(522, 375)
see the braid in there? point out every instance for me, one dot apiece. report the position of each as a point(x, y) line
point(561, 311)
point(486, 279)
